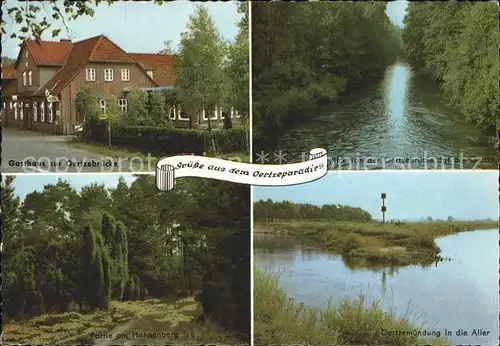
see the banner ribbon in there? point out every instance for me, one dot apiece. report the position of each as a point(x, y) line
point(171, 168)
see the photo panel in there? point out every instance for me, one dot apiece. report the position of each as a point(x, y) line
point(114, 86)
point(379, 85)
point(378, 258)
point(110, 260)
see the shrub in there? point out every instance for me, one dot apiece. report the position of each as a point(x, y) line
point(87, 108)
point(162, 141)
point(350, 242)
point(425, 240)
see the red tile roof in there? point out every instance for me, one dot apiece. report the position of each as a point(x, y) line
point(95, 49)
point(8, 72)
point(161, 64)
point(74, 56)
point(106, 50)
point(48, 53)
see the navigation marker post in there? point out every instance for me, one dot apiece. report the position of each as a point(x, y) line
point(384, 208)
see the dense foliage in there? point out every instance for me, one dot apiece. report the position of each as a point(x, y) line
point(163, 141)
point(70, 250)
point(308, 54)
point(272, 211)
point(143, 109)
point(212, 72)
point(457, 44)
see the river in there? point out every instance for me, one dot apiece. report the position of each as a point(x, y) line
point(401, 122)
point(458, 294)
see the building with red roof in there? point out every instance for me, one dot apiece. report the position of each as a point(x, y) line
point(39, 90)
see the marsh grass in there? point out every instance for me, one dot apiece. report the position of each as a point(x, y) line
point(396, 243)
point(278, 320)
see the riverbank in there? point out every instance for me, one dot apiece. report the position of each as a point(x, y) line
point(375, 243)
point(177, 320)
point(278, 320)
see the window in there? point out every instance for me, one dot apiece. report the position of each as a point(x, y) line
point(122, 103)
point(10, 105)
point(172, 112)
point(4, 105)
point(30, 78)
point(15, 110)
point(51, 112)
point(35, 111)
point(204, 115)
point(125, 74)
point(26, 58)
point(238, 114)
point(42, 111)
point(221, 114)
point(103, 106)
point(21, 112)
point(108, 75)
point(150, 73)
point(90, 74)
point(24, 78)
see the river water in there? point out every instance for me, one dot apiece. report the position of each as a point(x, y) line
point(401, 122)
point(459, 294)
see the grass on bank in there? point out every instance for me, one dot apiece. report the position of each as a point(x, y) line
point(279, 321)
point(129, 153)
point(180, 317)
point(368, 243)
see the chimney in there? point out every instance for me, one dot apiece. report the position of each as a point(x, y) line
point(64, 40)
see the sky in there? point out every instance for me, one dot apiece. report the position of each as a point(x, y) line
point(25, 184)
point(411, 196)
point(396, 11)
point(137, 27)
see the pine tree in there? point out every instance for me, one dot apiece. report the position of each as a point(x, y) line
point(106, 265)
point(108, 231)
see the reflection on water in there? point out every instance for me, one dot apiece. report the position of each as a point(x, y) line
point(401, 117)
point(459, 294)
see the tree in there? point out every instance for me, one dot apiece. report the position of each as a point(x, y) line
point(8, 61)
point(228, 122)
point(137, 113)
point(238, 70)
point(113, 111)
point(311, 54)
point(199, 65)
point(83, 249)
point(169, 48)
point(156, 109)
point(457, 45)
point(87, 108)
point(10, 211)
point(92, 279)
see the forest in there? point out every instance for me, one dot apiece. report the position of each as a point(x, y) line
point(457, 44)
point(66, 249)
point(281, 211)
point(307, 55)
